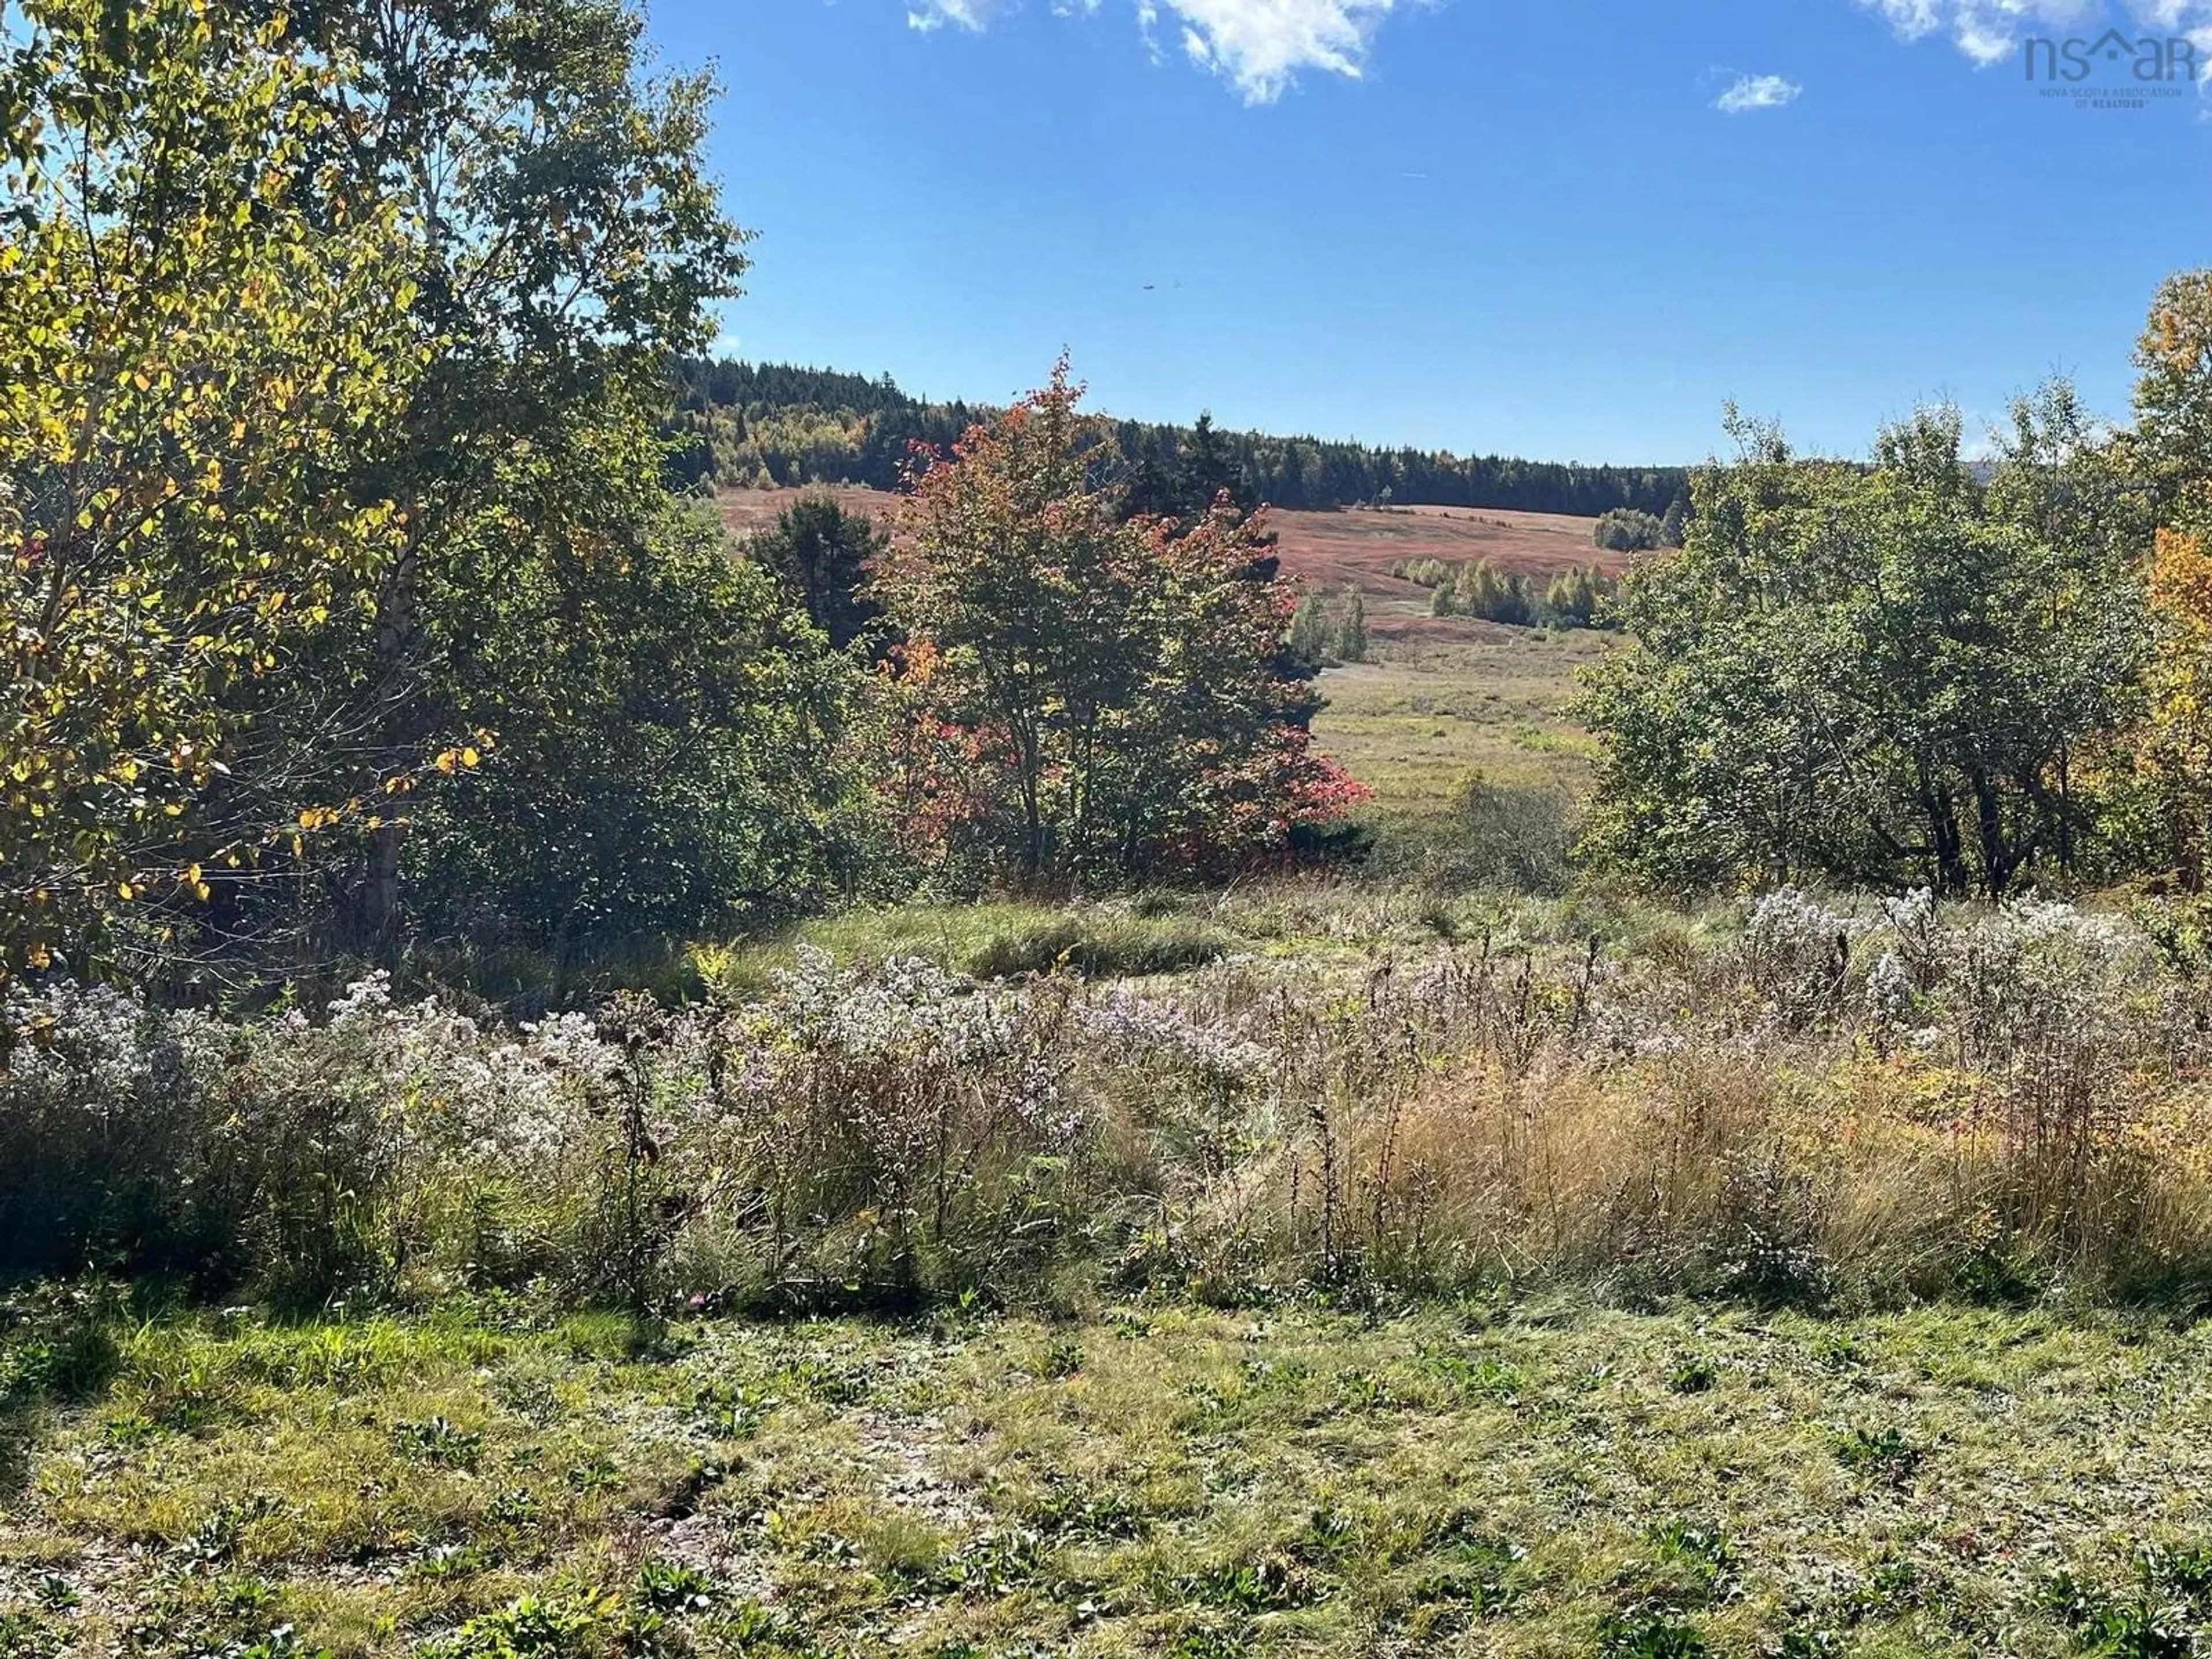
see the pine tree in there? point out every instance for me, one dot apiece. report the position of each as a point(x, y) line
point(823, 553)
point(1205, 469)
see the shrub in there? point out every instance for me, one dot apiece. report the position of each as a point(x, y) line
point(1628, 530)
point(1100, 946)
point(1513, 834)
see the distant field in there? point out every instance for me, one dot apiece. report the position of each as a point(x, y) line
point(1360, 545)
point(748, 510)
point(1413, 723)
point(1354, 546)
point(1444, 696)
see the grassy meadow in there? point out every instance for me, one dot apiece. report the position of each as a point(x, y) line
point(1432, 706)
point(1485, 1273)
point(1493, 1476)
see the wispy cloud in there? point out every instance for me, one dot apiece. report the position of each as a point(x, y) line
point(1259, 47)
point(931, 15)
point(1751, 92)
point(1990, 31)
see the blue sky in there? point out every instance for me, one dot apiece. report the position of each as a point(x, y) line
point(1560, 228)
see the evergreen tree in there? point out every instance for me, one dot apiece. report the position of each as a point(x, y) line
point(1205, 469)
point(1150, 489)
point(823, 553)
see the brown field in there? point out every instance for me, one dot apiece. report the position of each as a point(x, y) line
point(1357, 545)
point(1444, 696)
point(747, 510)
point(1361, 544)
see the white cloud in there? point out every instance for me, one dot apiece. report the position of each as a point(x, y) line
point(934, 14)
point(1910, 18)
point(1752, 92)
point(1259, 46)
point(1148, 15)
point(1990, 31)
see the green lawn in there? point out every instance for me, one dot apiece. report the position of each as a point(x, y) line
point(1552, 1478)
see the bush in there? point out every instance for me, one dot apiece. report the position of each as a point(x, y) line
point(1628, 530)
point(889, 1129)
point(1102, 947)
point(1515, 834)
point(1511, 835)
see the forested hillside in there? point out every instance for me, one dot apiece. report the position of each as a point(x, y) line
point(752, 424)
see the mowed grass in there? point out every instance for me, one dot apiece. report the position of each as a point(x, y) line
point(1504, 1478)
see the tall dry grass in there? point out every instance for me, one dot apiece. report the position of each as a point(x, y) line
point(1874, 1104)
point(1791, 1100)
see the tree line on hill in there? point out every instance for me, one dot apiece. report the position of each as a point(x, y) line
point(759, 424)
